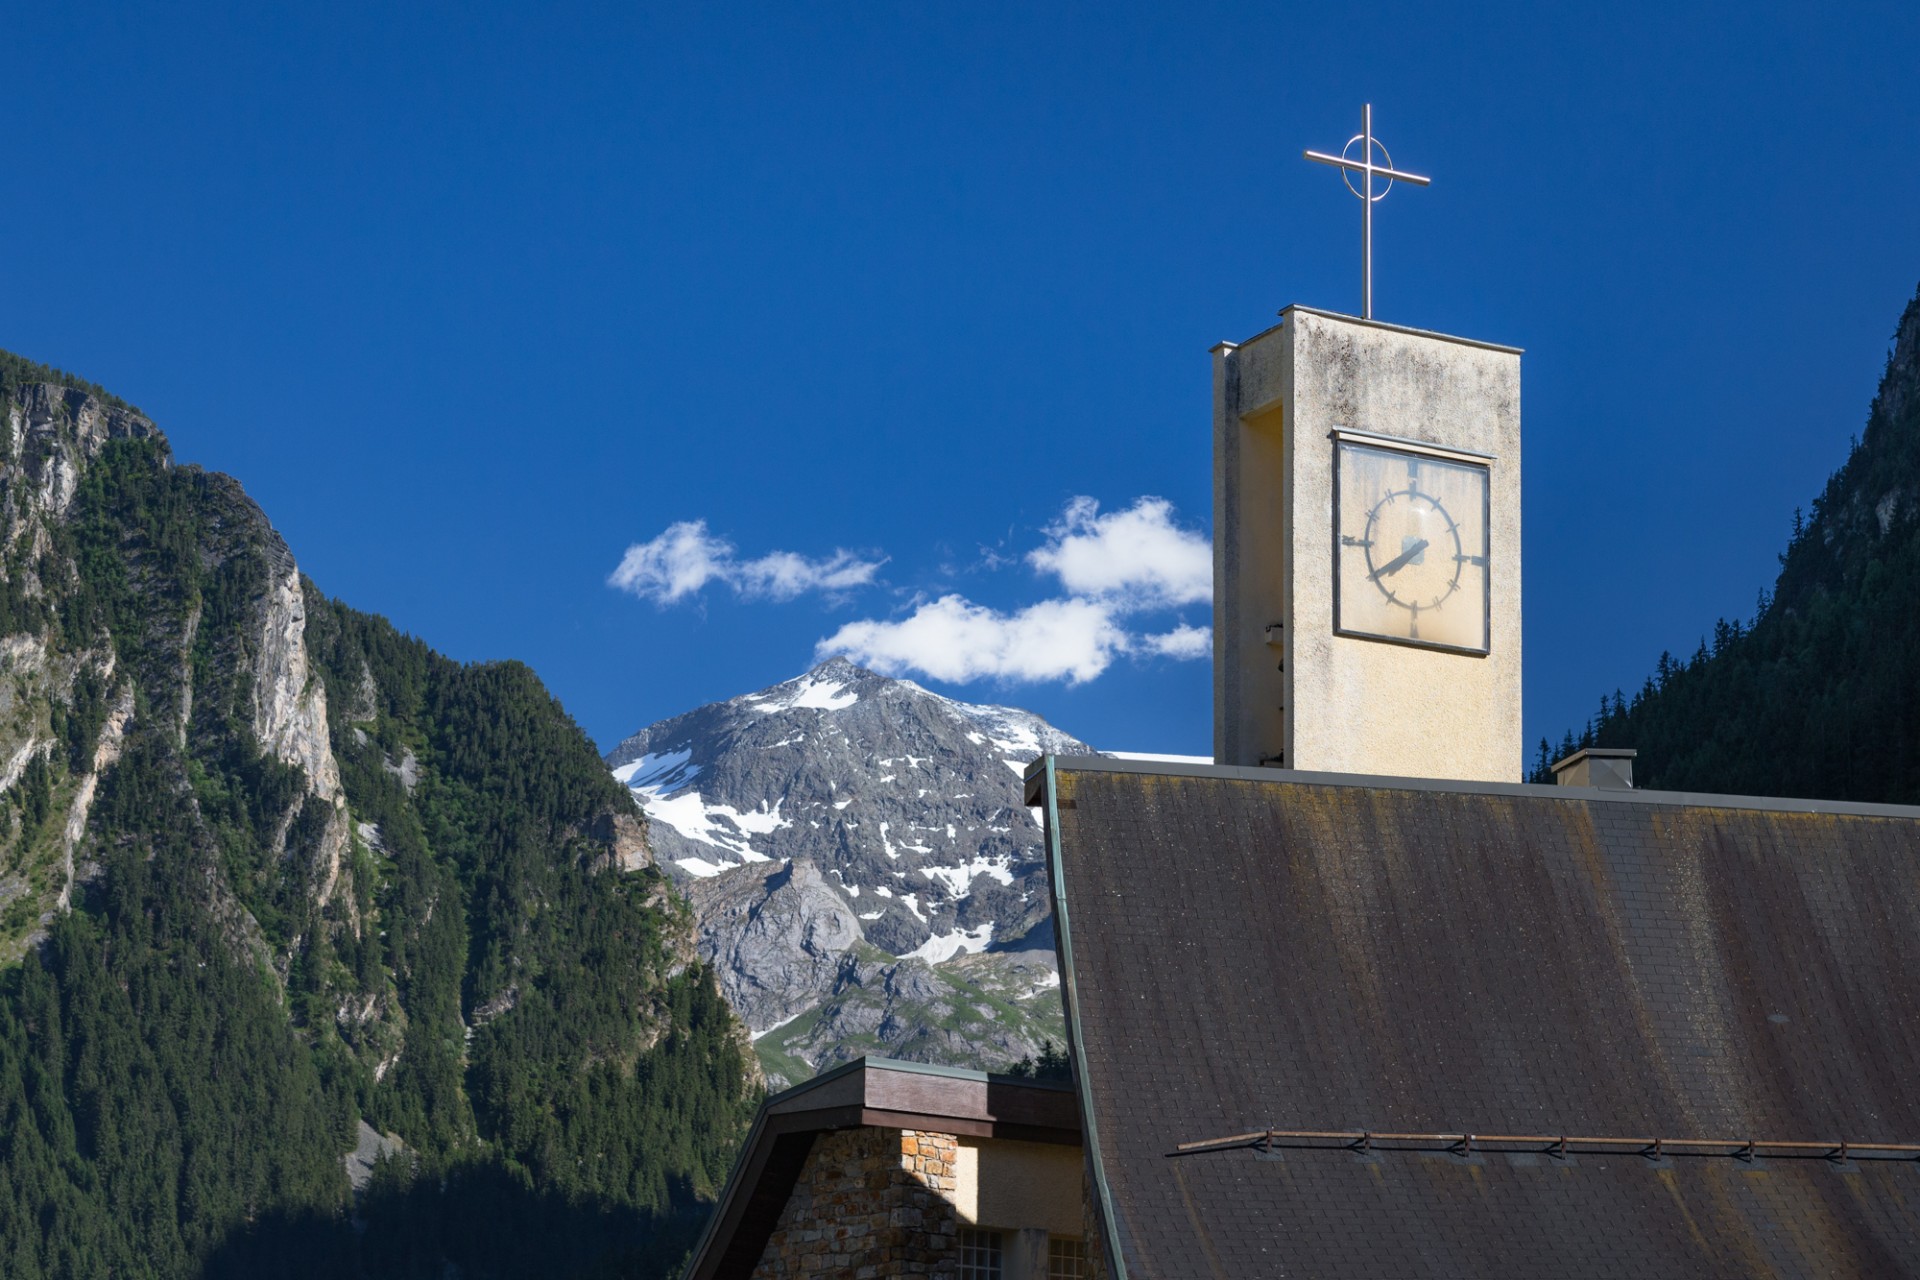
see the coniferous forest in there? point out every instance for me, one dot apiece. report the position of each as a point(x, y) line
point(228, 959)
point(1818, 694)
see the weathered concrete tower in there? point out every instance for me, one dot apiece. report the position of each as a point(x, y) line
point(1366, 518)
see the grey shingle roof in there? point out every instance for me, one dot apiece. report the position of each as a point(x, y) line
point(1365, 954)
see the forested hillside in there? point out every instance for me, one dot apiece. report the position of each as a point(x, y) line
point(276, 878)
point(1819, 694)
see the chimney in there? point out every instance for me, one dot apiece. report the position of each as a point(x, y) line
point(1609, 768)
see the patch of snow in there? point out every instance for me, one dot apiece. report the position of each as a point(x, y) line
point(890, 777)
point(945, 946)
point(1047, 983)
point(776, 1026)
point(658, 772)
point(687, 814)
point(871, 915)
point(1019, 769)
point(762, 821)
point(958, 878)
point(841, 804)
point(882, 891)
point(702, 868)
point(805, 691)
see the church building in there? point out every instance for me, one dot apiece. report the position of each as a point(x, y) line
point(1353, 1000)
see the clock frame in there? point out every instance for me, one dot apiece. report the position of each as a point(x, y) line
point(1412, 528)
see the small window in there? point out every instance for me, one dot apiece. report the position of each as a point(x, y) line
point(1067, 1258)
point(979, 1255)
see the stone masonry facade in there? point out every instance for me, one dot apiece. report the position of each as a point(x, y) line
point(869, 1203)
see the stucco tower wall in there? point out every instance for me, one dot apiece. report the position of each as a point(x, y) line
point(1251, 512)
point(1353, 705)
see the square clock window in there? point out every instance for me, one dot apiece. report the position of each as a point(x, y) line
point(1410, 548)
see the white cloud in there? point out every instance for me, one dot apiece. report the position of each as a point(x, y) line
point(684, 559)
point(1181, 642)
point(782, 575)
point(1112, 566)
point(1115, 570)
point(674, 565)
point(955, 640)
point(1138, 558)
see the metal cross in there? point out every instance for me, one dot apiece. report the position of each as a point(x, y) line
point(1365, 167)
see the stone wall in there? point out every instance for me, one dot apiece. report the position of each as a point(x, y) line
point(869, 1203)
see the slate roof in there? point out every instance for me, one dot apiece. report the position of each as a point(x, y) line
point(880, 1092)
point(1245, 950)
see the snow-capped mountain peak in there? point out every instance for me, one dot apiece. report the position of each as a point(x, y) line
point(882, 815)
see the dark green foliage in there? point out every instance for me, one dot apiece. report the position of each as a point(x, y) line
point(154, 1100)
point(18, 371)
point(563, 961)
point(1052, 1064)
point(1819, 695)
point(35, 794)
point(185, 1059)
point(79, 725)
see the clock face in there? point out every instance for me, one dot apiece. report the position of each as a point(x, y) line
point(1410, 553)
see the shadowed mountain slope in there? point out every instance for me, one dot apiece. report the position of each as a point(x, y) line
point(1820, 694)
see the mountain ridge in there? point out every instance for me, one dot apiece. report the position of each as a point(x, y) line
point(1818, 695)
point(862, 867)
point(275, 877)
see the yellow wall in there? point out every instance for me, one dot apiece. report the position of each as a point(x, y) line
point(1018, 1185)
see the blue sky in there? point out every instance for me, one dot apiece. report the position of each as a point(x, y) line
point(475, 302)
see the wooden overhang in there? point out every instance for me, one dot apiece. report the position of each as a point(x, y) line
point(866, 1093)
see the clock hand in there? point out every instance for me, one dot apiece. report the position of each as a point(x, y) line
point(1398, 562)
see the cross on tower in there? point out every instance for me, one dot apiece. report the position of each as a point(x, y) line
point(1365, 167)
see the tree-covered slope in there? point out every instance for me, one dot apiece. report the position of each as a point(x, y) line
point(275, 878)
point(1819, 695)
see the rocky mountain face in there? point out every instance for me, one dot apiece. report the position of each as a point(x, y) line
point(278, 882)
point(1818, 695)
point(864, 875)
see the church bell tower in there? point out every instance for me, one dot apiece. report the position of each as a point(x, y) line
point(1366, 520)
